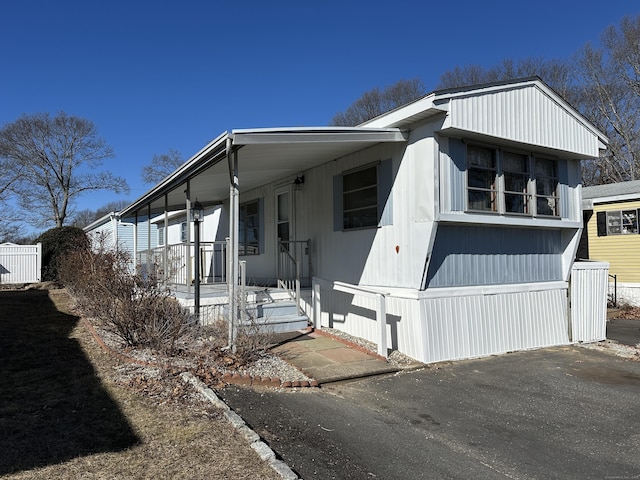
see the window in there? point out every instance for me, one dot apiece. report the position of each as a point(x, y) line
point(546, 187)
point(511, 183)
point(161, 236)
point(482, 178)
point(249, 228)
point(516, 183)
point(360, 198)
point(183, 232)
point(617, 222)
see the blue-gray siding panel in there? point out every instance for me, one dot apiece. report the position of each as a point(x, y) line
point(476, 255)
point(458, 165)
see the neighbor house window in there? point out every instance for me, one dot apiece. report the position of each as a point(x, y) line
point(511, 183)
point(161, 236)
point(249, 228)
point(360, 198)
point(617, 222)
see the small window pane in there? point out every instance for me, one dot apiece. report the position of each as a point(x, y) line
point(515, 203)
point(361, 218)
point(481, 157)
point(614, 223)
point(629, 221)
point(481, 178)
point(360, 179)
point(480, 200)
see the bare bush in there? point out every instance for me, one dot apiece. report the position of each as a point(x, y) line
point(132, 305)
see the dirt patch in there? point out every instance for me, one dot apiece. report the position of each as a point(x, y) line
point(69, 409)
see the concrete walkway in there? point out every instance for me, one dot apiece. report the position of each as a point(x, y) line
point(327, 359)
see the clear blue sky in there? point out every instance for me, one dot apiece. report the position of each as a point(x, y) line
point(160, 75)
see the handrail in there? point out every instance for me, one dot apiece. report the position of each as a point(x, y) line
point(289, 267)
point(615, 289)
point(381, 308)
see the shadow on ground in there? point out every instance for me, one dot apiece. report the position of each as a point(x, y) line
point(52, 405)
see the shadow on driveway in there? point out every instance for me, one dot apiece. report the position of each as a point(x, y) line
point(52, 405)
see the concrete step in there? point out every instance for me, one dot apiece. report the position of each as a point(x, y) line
point(272, 309)
point(277, 323)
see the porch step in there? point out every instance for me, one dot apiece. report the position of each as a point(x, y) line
point(277, 317)
point(272, 309)
point(278, 323)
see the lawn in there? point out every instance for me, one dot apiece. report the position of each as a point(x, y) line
point(68, 409)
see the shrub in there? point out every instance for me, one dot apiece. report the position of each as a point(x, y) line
point(132, 306)
point(56, 243)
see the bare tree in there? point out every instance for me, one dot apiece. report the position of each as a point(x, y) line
point(85, 217)
point(556, 73)
point(161, 166)
point(54, 160)
point(376, 102)
point(610, 98)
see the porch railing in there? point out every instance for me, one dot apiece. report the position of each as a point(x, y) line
point(175, 263)
point(294, 267)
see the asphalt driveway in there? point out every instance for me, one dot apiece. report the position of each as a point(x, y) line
point(566, 412)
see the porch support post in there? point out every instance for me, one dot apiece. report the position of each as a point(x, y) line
point(234, 222)
point(165, 236)
point(188, 239)
point(381, 314)
point(135, 243)
point(149, 240)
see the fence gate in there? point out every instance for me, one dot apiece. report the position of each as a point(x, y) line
point(20, 263)
point(588, 297)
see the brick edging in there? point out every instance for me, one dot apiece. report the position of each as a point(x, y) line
point(231, 379)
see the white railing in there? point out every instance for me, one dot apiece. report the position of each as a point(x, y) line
point(174, 263)
point(381, 307)
point(293, 271)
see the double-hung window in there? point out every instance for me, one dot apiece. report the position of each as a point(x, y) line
point(511, 183)
point(360, 198)
point(482, 178)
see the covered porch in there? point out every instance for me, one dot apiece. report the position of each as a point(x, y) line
point(218, 270)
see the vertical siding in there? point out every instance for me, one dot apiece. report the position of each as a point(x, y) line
point(453, 328)
point(535, 119)
point(475, 255)
point(20, 263)
point(589, 284)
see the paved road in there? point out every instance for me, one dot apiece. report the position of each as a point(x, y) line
point(555, 413)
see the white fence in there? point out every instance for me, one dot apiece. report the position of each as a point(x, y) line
point(589, 291)
point(20, 263)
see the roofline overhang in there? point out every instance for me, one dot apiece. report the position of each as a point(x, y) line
point(218, 149)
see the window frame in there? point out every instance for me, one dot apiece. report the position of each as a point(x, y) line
point(502, 188)
point(348, 195)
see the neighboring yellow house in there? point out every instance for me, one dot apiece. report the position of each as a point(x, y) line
point(611, 214)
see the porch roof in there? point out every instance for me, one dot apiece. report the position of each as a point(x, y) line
point(264, 155)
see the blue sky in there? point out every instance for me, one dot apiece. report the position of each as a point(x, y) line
point(160, 75)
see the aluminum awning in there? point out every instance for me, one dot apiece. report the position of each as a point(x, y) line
point(264, 156)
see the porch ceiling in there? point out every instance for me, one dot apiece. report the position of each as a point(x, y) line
point(264, 156)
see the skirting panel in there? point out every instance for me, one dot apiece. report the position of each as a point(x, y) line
point(439, 329)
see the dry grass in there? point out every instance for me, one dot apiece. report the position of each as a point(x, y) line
point(66, 410)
